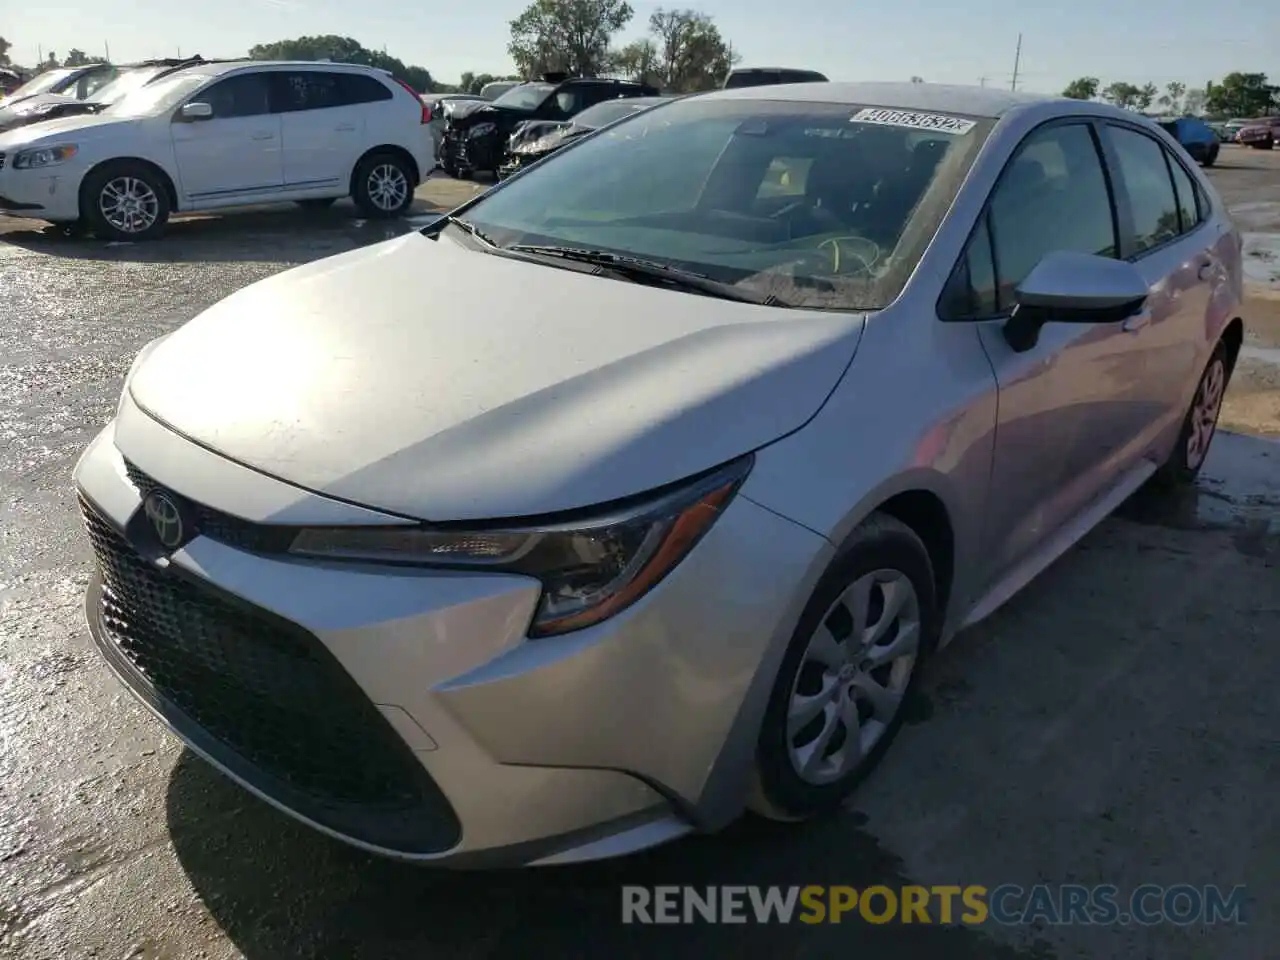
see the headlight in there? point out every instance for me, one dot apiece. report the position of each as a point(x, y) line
point(482, 129)
point(589, 569)
point(44, 156)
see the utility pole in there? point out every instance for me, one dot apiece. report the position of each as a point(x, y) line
point(40, 55)
point(982, 81)
point(107, 47)
point(1017, 60)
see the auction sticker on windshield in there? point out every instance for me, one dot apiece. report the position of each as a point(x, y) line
point(916, 121)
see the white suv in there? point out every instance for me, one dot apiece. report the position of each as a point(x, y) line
point(220, 135)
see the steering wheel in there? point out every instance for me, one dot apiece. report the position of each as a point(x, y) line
point(863, 253)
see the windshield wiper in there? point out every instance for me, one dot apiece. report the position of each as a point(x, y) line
point(467, 227)
point(637, 268)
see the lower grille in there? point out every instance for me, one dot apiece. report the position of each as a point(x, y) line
point(277, 708)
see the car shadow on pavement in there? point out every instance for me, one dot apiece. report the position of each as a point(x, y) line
point(277, 232)
point(280, 889)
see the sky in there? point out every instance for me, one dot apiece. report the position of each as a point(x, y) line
point(942, 41)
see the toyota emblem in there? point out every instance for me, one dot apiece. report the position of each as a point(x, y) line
point(166, 519)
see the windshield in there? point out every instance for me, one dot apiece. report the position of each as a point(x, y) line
point(527, 96)
point(127, 82)
point(156, 97)
point(609, 111)
point(41, 84)
point(820, 205)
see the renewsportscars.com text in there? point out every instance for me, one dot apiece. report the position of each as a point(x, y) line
point(1008, 904)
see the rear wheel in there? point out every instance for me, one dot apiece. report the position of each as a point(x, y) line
point(1212, 156)
point(852, 667)
point(383, 186)
point(1199, 426)
point(124, 201)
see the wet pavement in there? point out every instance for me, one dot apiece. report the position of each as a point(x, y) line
point(1115, 723)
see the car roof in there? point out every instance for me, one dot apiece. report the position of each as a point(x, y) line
point(969, 100)
point(216, 68)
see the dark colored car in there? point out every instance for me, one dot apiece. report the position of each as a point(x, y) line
point(766, 76)
point(78, 82)
point(1261, 134)
point(1197, 138)
point(47, 106)
point(538, 139)
point(475, 138)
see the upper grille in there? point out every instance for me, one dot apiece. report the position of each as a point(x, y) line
point(271, 696)
point(223, 527)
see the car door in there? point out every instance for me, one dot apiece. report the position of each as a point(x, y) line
point(235, 153)
point(1062, 401)
point(323, 131)
point(1164, 234)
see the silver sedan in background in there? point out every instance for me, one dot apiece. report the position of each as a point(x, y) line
point(722, 421)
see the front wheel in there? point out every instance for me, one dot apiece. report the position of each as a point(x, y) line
point(124, 201)
point(383, 186)
point(851, 669)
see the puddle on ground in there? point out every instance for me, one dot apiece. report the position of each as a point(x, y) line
point(1238, 489)
point(1265, 354)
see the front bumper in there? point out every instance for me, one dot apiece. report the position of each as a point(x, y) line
point(403, 711)
point(52, 195)
point(483, 154)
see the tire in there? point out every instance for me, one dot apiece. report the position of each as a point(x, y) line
point(383, 187)
point(1212, 156)
point(317, 203)
point(124, 200)
point(1199, 426)
point(886, 554)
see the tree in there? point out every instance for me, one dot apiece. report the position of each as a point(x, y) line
point(917, 79)
point(1193, 103)
point(471, 82)
point(569, 35)
point(1146, 94)
point(1171, 99)
point(50, 62)
point(692, 55)
point(1082, 88)
point(1241, 95)
point(639, 60)
point(1122, 94)
point(343, 50)
point(76, 58)
point(5, 47)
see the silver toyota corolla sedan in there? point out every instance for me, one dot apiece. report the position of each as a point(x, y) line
point(637, 492)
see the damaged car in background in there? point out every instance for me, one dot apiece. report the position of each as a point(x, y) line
point(475, 139)
point(537, 139)
point(53, 106)
point(28, 102)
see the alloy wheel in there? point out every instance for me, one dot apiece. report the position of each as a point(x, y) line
point(1204, 412)
point(388, 187)
point(853, 676)
point(129, 205)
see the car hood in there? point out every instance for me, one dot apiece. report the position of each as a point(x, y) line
point(88, 125)
point(477, 111)
point(428, 379)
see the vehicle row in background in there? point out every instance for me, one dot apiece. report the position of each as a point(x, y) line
point(476, 132)
point(1260, 134)
point(534, 140)
point(84, 97)
point(223, 134)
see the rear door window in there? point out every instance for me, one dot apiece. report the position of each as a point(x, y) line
point(305, 90)
point(1144, 169)
point(242, 95)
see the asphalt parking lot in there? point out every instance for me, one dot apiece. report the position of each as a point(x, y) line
point(1116, 723)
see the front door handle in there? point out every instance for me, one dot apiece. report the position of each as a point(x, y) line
point(264, 135)
point(1136, 322)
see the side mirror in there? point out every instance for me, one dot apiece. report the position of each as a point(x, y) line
point(196, 111)
point(1068, 287)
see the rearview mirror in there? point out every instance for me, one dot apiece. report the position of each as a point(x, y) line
point(196, 111)
point(1068, 287)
